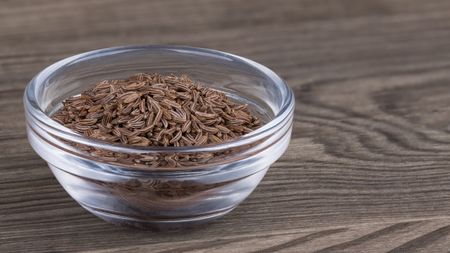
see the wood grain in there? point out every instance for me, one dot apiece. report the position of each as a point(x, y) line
point(368, 166)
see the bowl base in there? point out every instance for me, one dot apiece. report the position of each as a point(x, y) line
point(159, 224)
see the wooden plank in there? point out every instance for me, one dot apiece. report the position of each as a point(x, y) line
point(367, 169)
point(398, 237)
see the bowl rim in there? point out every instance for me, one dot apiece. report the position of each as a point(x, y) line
point(53, 127)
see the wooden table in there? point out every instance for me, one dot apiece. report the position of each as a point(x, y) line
point(368, 168)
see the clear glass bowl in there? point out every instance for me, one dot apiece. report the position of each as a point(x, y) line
point(213, 179)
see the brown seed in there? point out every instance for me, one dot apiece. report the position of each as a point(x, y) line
point(186, 141)
point(223, 129)
point(186, 126)
point(88, 132)
point(138, 124)
point(165, 123)
point(87, 122)
point(208, 129)
point(60, 120)
point(214, 138)
point(95, 108)
point(116, 132)
point(124, 139)
point(135, 112)
point(138, 118)
point(99, 96)
point(106, 119)
point(170, 103)
point(166, 114)
point(145, 129)
point(127, 110)
point(125, 131)
point(155, 91)
point(134, 86)
point(177, 137)
point(205, 115)
point(178, 116)
point(142, 106)
point(102, 85)
point(202, 140)
point(106, 99)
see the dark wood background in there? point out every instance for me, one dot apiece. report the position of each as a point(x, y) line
point(368, 168)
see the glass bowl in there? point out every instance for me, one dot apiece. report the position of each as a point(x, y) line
point(189, 185)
